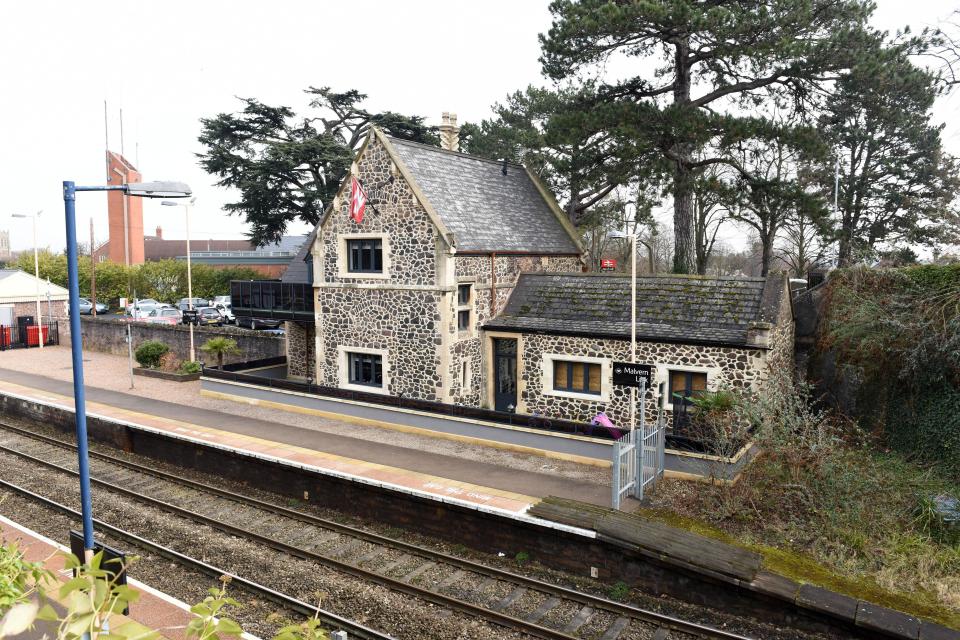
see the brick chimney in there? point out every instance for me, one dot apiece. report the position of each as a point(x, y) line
point(159, 233)
point(449, 132)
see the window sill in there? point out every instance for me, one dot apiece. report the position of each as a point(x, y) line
point(592, 397)
point(356, 275)
point(382, 390)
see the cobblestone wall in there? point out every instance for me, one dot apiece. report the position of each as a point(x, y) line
point(301, 363)
point(467, 347)
point(735, 367)
point(399, 313)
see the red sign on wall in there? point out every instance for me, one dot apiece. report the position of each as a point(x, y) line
point(608, 265)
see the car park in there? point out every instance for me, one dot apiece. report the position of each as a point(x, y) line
point(163, 315)
point(198, 303)
point(209, 316)
point(257, 323)
point(226, 310)
point(86, 307)
point(144, 305)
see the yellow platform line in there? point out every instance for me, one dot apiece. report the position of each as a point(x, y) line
point(360, 468)
point(403, 428)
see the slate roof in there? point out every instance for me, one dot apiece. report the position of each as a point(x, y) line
point(684, 309)
point(300, 269)
point(484, 209)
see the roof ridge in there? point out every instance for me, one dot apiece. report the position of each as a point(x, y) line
point(458, 154)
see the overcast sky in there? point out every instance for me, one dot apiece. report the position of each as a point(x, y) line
point(167, 64)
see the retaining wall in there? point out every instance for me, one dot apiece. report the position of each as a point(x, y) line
point(109, 335)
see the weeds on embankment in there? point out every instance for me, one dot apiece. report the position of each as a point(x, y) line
point(825, 504)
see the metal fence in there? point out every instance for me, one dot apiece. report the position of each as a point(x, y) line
point(15, 337)
point(638, 458)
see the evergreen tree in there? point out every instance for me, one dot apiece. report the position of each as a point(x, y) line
point(896, 184)
point(288, 167)
point(694, 66)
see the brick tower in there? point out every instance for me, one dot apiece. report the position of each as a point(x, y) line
point(125, 214)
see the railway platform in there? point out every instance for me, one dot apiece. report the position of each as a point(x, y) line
point(153, 611)
point(488, 486)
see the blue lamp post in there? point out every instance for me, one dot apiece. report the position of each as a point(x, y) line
point(142, 190)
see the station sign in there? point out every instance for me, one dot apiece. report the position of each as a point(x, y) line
point(628, 374)
point(608, 265)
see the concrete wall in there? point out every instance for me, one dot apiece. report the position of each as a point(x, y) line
point(109, 336)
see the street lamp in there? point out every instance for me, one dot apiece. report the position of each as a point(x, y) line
point(186, 208)
point(36, 272)
point(143, 190)
point(619, 235)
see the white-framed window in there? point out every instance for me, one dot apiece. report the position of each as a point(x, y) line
point(364, 369)
point(465, 307)
point(684, 381)
point(363, 255)
point(579, 377)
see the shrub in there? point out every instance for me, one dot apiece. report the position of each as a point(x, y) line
point(149, 353)
point(188, 366)
point(170, 362)
point(220, 347)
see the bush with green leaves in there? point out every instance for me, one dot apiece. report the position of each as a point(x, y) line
point(190, 366)
point(149, 353)
point(897, 333)
point(220, 347)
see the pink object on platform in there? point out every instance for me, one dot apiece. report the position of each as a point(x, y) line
point(602, 420)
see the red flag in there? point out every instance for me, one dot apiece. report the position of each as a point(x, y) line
point(358, 201)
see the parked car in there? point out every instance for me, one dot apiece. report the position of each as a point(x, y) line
point(86, 307)
point(224, 300)
point(142, 305)
point(257, 323)
point(163, 315)
point(198, 303)
point(209, 316)
point(226, 310)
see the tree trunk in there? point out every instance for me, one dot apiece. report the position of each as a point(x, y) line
point(845, 249)
point(684, 260)
point(766, 254)
point(684, 253)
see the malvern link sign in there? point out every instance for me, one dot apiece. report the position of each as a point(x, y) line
point(629, 374)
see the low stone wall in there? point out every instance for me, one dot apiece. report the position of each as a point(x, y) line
point(109, 335)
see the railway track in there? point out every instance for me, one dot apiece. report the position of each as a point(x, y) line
point(519, 603)
point(332, 620)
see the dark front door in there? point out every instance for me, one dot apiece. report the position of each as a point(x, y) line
point(505, 374)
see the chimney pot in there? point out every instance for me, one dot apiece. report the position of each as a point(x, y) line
point(159, 233)
point(449, 132)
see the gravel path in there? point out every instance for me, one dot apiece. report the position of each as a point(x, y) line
point(106, 371)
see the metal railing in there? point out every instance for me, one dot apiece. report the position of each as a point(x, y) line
point(11, 337)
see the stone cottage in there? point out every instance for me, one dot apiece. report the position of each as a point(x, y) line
point(463, 284)
point(698, 333)
point(402, 295)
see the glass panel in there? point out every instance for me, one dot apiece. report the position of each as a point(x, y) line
point(698, 382)
point(505, 346)
point(378, 371)
point(578, 381)
point(560, 373)
point(463, 294)
point(463, 319)
point(594, 382)
point(366, 258)
point(377, 257)
point(678, 382)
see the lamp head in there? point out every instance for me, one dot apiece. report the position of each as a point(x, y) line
point(158, 190)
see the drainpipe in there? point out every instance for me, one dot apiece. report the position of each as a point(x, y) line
point(493, 285)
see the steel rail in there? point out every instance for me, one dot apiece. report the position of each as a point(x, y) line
point(597, 602)
point(330, 619)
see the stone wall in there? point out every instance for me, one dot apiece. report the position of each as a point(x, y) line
point(300, 350)
point(466, 347)
point(398, 313)
point(726, 366)
point(109, 335)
